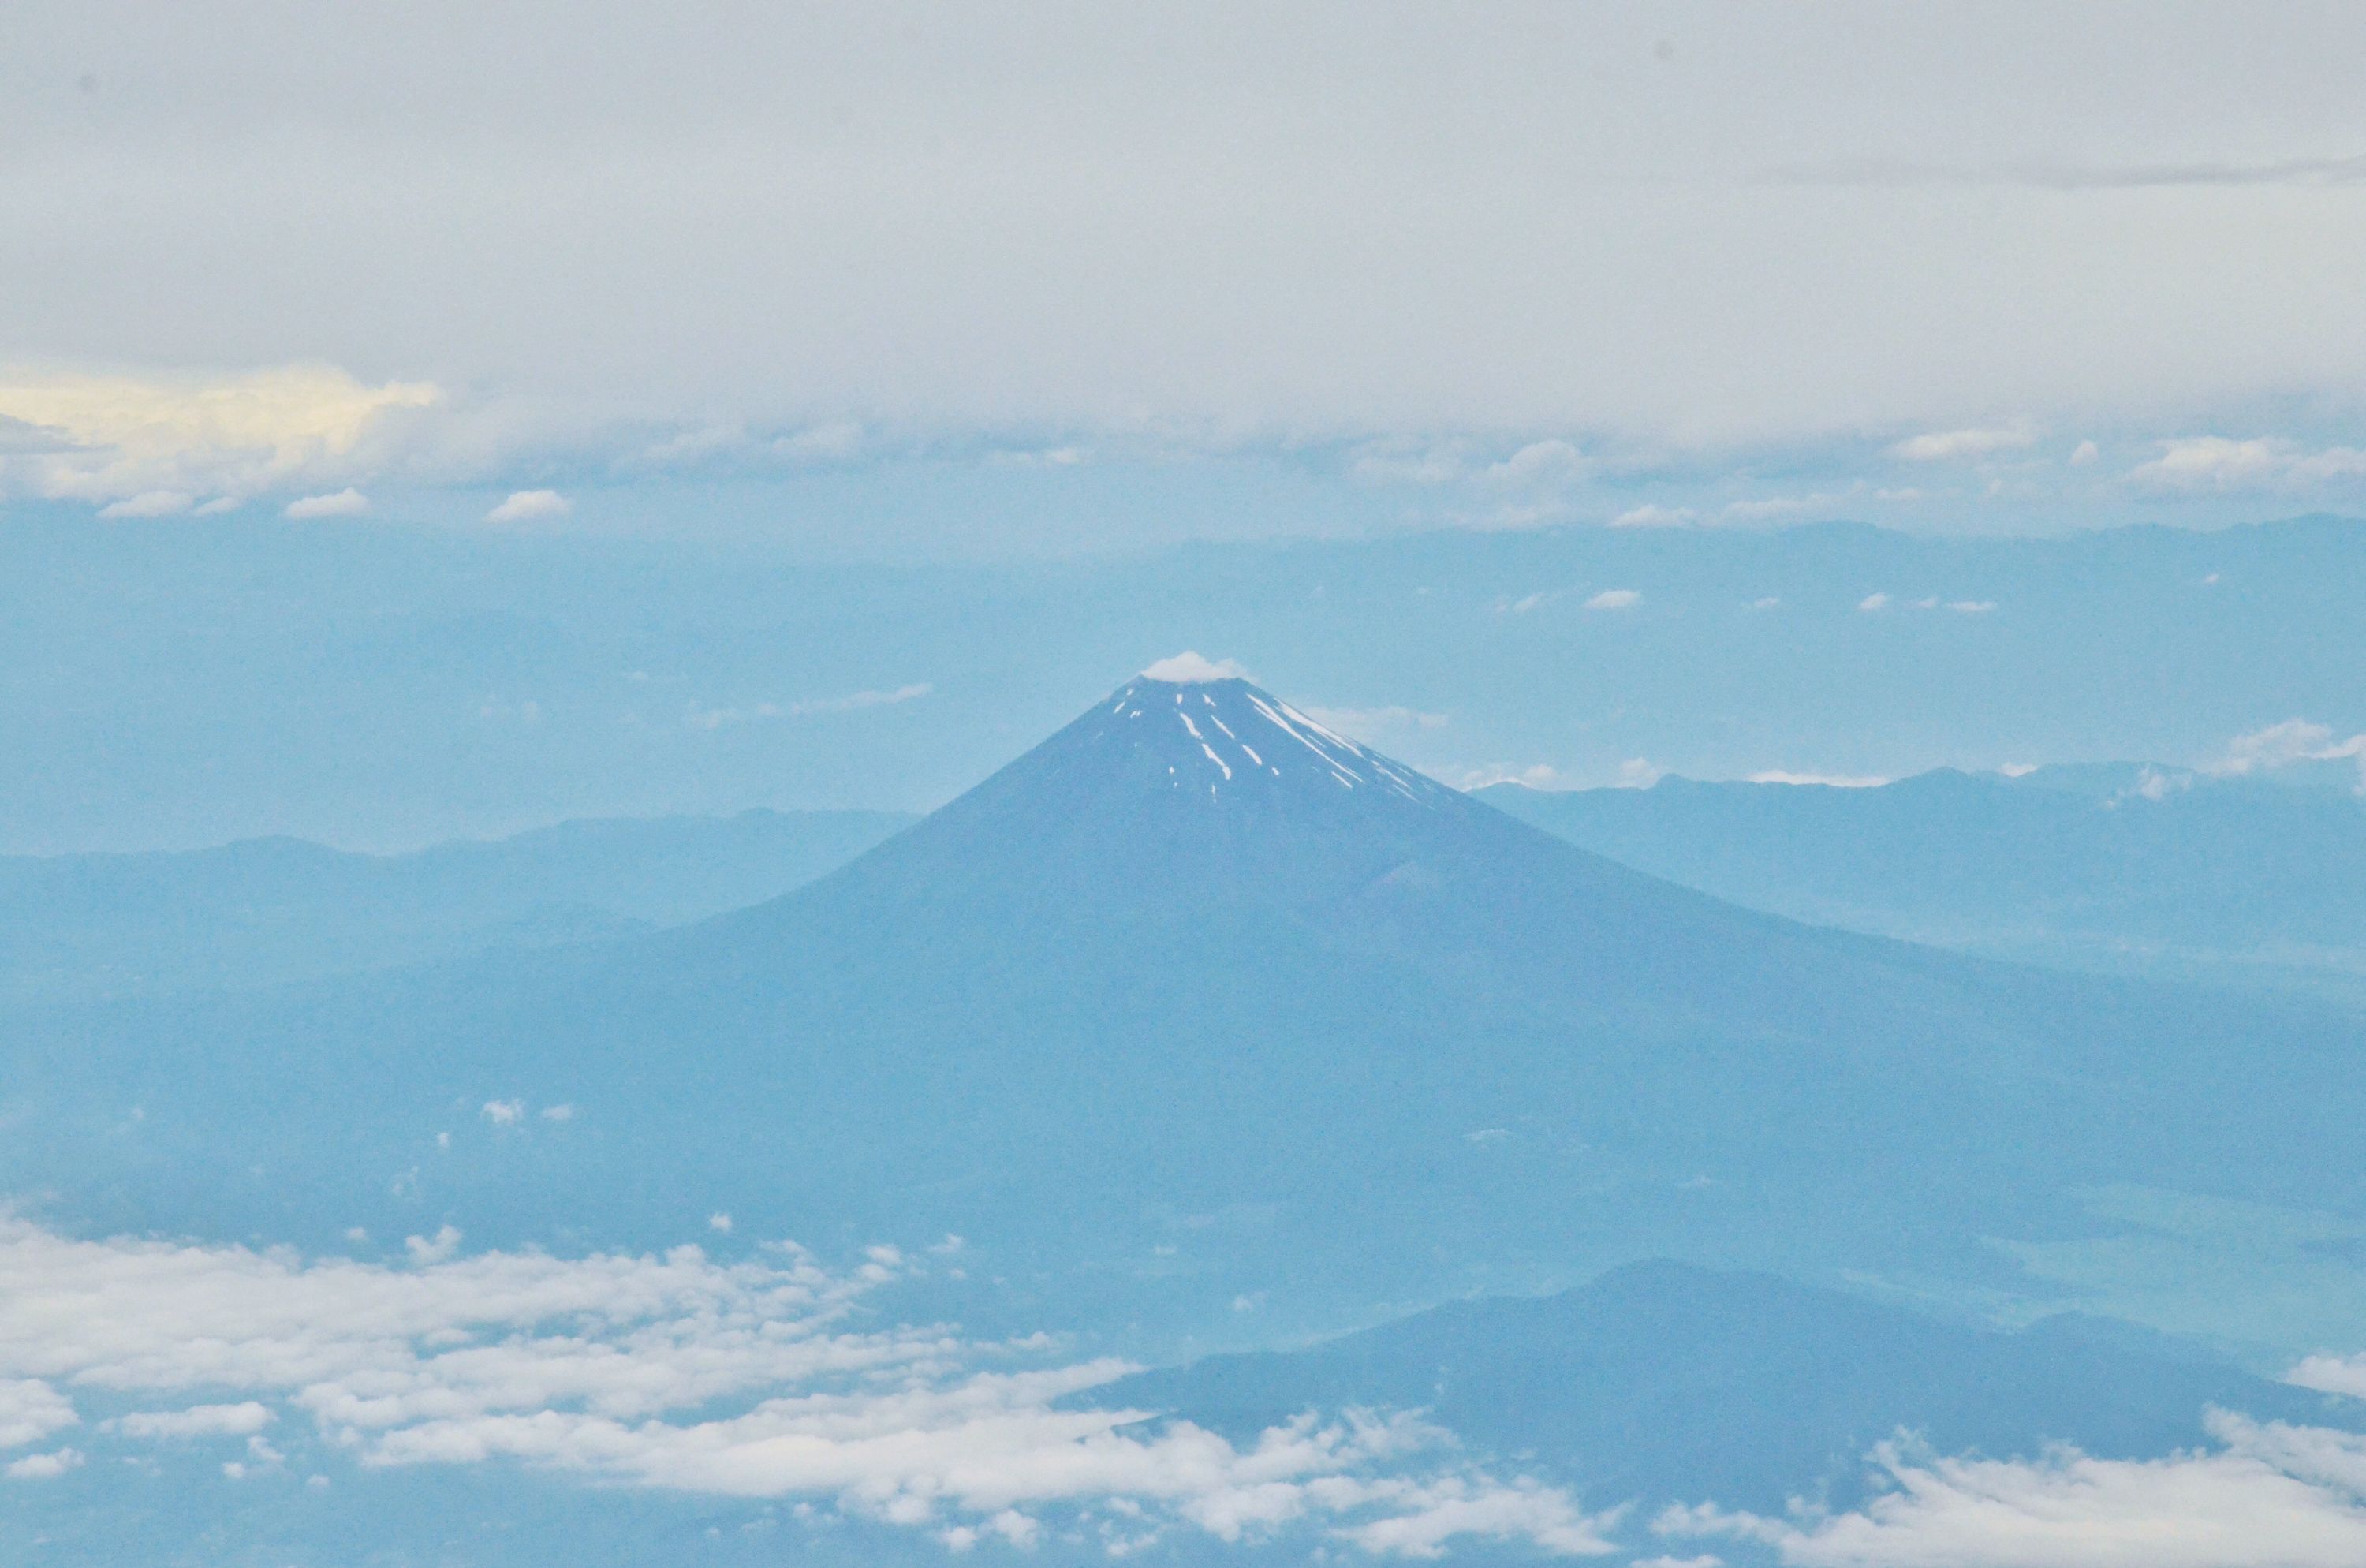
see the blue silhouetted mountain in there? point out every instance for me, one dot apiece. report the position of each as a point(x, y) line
point(1665, 1382)
point(1198, 1001)
point(2120, 867)
point(271, 910)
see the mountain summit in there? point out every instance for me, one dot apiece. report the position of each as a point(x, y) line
point(1219, 735)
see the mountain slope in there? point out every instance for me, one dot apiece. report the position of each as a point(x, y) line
point(1194, 1002)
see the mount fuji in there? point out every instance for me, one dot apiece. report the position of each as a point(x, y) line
point(1199, 1014)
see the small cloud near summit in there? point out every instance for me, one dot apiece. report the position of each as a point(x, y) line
point(1189, 669)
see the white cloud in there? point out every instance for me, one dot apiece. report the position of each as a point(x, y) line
point(559, 1113)
point(1769, 602)
point(1537, 775)
point(2083, 454)
point(238, 1420)
point(2270, 1496)
point(1189, 669)
point(2205, 464)
point(1615, 599)
point(1872, 602)
point(831, 442)
point(1652, 515)
point(699, 717)
point(1769, 507)
point(45, 1467)
point(1972, 606)
point(505, 1112)
point(950, 260)
point(525, 504)
point(719, 1220)
point(2282, 745)
point(138, 441)
point(1637, 772)
point(427, 1251)
point(767, 1378)
point(1827, 781)
point(1542, 463)
point(30, 1410)
point(1940, 446)
point(346, 503)
point(148, 504)
point(1374, 725)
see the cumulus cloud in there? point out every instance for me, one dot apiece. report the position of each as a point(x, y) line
point(1615, 599)
point(144, 445)
point(1542, 463)
point(2204, 464)
point(1651, 516)
point(524, 505)
point(45, 1467)
point(767, 1378)
point(1872, 602)
point(2268, 1497)
point(1190, 668)
point(1939, 446)
point(30, 1410)
point(346, 503)
point(2282, 745)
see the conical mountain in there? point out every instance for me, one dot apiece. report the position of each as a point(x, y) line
point(1199, 999)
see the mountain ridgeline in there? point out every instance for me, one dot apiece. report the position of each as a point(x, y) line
point(1199, 1001)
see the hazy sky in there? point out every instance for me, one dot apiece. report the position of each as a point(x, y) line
point(1534, 264)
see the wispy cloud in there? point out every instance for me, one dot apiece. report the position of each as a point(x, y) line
point(1374, 725)
point(1986, 440)
point(346, 503)
point(2277, 746)
point(1615, 599)
point(1827, 781)
point(700, 716)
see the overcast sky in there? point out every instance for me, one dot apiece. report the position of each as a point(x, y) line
point(1910, 257)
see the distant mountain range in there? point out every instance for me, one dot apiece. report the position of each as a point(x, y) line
point(2127, 868)
point(1660, 1382)
point(1198, 1001)
point(272, 910)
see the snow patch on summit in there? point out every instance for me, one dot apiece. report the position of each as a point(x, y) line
point(1189, 669)
point(1212, 745)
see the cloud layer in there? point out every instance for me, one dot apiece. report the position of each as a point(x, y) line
point(759, 1378)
